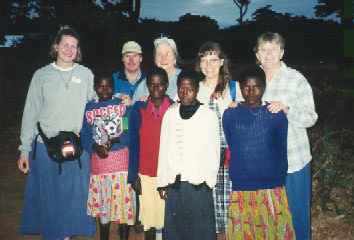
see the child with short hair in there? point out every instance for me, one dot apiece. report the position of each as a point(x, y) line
point(144, 128)
point(105, 136)
point(188, 163)
point(258, 166)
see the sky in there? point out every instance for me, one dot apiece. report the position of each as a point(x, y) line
point(224, 11)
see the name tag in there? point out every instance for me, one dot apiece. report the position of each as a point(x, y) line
point(75, 79)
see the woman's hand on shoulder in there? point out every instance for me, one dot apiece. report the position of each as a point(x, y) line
point(277, 106)
point(23, 164)
point(233, 104)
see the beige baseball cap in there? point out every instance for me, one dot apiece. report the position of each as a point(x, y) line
point(132, 47)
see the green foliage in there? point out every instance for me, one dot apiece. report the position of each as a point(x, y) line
point(349, 43)
point(333, 158)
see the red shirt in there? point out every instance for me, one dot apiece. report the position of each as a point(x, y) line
point(150, 128)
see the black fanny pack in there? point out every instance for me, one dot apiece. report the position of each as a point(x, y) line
point(65, 146)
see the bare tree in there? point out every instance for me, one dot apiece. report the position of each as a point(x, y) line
point(243, 7)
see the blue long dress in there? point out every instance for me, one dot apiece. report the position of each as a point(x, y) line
point(55, 204)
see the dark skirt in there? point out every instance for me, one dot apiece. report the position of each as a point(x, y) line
point(189, 213)
point(55, 204)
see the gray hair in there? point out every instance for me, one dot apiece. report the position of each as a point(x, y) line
point(169, 41)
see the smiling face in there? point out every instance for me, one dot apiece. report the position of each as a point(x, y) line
point(269, 54)
point(132, 61)
point(157, 87)
point(187, 92)
point(104, 89)
point(210, 65)
point(165, 57)
point(252, 91)
point(67, 50)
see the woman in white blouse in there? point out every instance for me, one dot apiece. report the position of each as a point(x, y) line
point(216, 90)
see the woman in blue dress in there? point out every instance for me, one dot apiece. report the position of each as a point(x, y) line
point(55, 201)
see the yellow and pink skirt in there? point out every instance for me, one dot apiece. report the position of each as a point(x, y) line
point(262, 214)
point(110, 197)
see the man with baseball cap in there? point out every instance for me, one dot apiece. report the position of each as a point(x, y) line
point(126, 81)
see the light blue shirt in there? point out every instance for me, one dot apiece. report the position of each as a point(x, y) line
point(142, 89)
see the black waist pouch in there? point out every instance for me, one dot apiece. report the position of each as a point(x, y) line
point(65, 146)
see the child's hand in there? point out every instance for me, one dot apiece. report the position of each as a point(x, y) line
point(101, 150)
point(126, 99)
point(137, 186)
point(162, 192)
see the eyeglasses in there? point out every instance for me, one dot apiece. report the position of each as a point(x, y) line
point(210, 61)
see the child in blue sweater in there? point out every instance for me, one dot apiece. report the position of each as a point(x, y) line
point(258, 142)
point(105, 135)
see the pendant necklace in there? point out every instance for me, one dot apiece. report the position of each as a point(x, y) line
point(66, 81)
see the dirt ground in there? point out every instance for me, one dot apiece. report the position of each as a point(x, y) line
point(12, 183)
point(324, 225)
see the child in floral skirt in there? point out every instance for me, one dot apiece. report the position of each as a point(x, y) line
point(258, 143)
point(105, 135)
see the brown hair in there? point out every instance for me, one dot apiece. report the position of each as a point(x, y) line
point(65, 31)
point(224, 74)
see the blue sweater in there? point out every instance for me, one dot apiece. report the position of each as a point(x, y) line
point(258, 145)
point(122, 85)
point(114, 115)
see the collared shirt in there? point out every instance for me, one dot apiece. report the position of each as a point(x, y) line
point(123, 86)
point(291, 87)
point(157, 112)
point(142, 89)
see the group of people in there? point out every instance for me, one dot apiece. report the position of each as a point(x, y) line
point(178, 154)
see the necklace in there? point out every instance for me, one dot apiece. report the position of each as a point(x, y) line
point(66, 81)
point(62, 70)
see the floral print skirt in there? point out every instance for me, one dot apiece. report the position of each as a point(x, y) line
point(262, 214)
point(111, 199)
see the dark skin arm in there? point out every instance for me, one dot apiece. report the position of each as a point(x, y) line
point(101, 150)
point(163, 192)
point(137, 186)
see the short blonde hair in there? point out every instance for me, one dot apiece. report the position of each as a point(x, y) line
point(269, 37)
